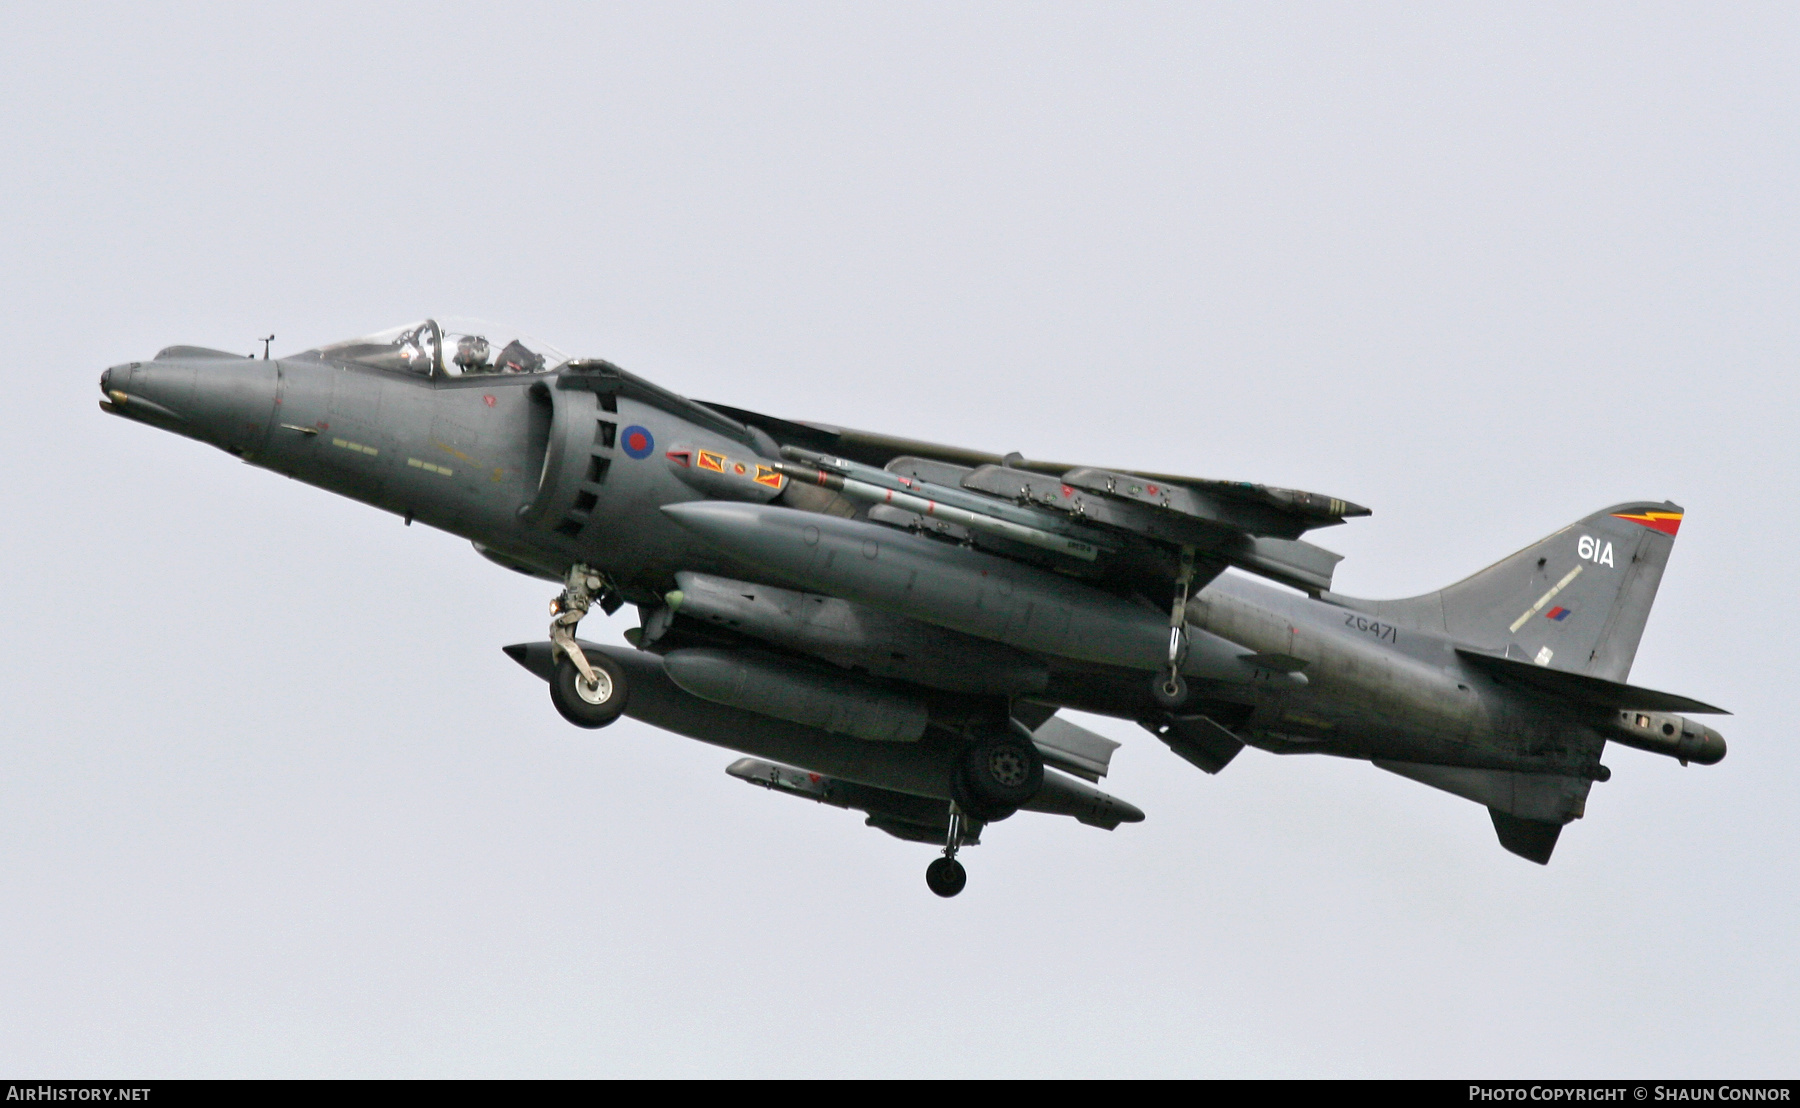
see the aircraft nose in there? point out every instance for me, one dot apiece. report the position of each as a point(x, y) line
point(228, 402)
point(149, 392)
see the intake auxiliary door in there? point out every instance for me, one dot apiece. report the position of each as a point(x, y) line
point(584, 430)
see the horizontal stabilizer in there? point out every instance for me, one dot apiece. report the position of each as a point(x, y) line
point(1583, 689)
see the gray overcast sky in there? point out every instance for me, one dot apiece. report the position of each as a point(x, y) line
point(272, 802)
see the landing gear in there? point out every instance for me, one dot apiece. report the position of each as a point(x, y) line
point(588, 692)
point(1169, 690)
point(996, 774)
point(945, 876)
point(992, 777)
point(593, 700)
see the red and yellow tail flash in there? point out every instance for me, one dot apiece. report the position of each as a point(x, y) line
point(1666, 522)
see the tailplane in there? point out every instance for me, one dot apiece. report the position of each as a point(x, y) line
point(1575, 601)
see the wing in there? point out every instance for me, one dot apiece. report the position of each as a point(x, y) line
point(1136, 516)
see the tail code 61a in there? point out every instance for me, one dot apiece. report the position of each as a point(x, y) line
point(1595, 550)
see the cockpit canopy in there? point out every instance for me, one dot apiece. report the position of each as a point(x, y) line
point(452, 348)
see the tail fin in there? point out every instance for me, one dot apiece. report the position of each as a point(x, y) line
point(1575, 601)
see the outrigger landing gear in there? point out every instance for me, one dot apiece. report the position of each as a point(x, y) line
point(1169, 690)
point(589, 692)
point(945, 876)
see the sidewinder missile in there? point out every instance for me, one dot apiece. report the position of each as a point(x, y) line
point(924, 505)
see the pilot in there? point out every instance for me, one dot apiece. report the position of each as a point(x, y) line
point(518, 358)
point(472, 354)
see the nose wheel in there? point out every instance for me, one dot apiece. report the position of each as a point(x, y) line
point(588, 692)
point(589, 700)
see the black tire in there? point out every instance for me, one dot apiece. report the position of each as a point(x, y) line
point(585, 707)
point(946, 877)
point(996, 774)
point(1169, 690)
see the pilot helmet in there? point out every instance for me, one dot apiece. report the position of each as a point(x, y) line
point(471, 352)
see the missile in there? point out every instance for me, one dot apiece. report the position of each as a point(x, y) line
point(937, 509)
point(980, 503)
point(965, 590)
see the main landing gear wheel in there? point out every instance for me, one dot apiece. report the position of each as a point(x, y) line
point(946, 877)
point(996, 774)
point(587, 703)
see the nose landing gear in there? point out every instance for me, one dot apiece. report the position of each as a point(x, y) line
point(588, 692)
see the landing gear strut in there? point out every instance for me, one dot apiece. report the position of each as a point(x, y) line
point(945, 876)
point(589, 692)
point(1169, 690)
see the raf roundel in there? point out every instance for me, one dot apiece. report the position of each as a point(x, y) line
point(637, 441)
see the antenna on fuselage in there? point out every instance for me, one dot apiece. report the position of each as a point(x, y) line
point(266, 343)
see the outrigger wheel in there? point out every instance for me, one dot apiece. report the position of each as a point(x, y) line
point(587, 703)
point(946, 877)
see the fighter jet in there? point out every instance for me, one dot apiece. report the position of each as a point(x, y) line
point(891, 626)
